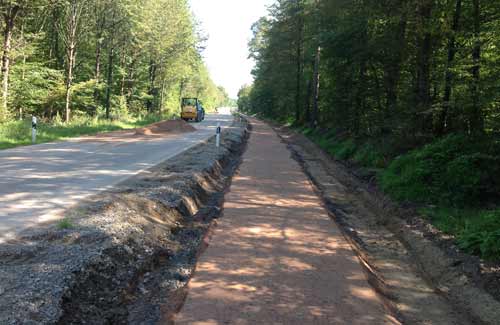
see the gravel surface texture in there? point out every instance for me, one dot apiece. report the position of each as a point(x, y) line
point(276, 257)
point(98, 264)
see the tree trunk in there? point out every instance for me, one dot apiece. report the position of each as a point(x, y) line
point(308, 102)
point(69, 81)
point(424, 53)
point(393, 67)
point(54, 51)
point(9, 19)
point(130, 78)
point(152, 79)
point(298, 88)
point(100, 23)
point(72, 25)
point(23, 69)
point(452, 50)
point(109, 82)
point(360, 98)
point(123, 66)
point(316, 80)
point(97, 73)
point(162, 96)
point(476, 115)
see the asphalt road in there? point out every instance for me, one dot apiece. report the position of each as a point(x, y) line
point(38, 182)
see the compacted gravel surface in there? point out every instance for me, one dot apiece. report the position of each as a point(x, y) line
point(276, 257)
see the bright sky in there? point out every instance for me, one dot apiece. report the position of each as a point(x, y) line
point(227, 24)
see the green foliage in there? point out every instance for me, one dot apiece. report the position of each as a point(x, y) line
point(344, 150)
point(369, 155)
point(455, 170)
point(65, 224)
point(244, 99)
point(133, 58)
point(394, 68)
point(457, 174)
point(16, 133)
point(477, 232)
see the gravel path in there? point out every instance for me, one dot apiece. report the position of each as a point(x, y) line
point(276, 257)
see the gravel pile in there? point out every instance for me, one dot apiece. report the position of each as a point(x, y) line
point(99, 266)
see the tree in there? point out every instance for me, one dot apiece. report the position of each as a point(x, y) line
point(71, 30)
point(410, 70)
point(452, 50)
point(101, 58)
point(10, 12)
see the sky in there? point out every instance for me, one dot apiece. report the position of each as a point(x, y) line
point(227, 24)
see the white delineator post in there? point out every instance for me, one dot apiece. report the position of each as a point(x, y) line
point(33, 129)
point(217, 137)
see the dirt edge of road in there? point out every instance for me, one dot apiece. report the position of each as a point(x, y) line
point(123, 256)
point(422, 282)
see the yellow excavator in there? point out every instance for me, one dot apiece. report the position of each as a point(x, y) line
point(192, 110)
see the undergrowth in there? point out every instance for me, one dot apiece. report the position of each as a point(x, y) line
point(455, 179)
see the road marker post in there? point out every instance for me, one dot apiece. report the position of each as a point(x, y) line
point(34, 125)
point(217, 137)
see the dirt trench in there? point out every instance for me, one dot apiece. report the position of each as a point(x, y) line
point(125, 255)
point(423, 282)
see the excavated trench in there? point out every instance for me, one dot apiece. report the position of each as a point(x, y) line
point(128, 253)
point(422, 281)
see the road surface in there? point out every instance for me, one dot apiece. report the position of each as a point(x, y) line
point(38, 182)
point(276, 257)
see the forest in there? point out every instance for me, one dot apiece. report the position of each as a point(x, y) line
point(408, 90)
point(75, 60)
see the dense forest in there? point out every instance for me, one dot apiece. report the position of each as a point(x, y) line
point(406, 88)
point(63, 59)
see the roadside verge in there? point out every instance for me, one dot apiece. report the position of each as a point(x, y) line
point(424, 283)
point(123, 247)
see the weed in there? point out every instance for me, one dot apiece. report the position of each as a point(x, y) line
point(476, 231)
point(65, 224)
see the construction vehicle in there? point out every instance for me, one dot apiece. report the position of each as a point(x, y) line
point(192, 110)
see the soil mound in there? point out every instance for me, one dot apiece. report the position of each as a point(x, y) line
point(171, 126)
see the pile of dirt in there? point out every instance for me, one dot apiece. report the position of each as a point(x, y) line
point(125, 254)
point(165, 127)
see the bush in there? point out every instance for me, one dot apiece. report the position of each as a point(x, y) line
point(456, 170)
point(344, 150)
point(369, 156)
point(481, 235)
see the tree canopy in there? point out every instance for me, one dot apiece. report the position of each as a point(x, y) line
point(409, 68)
point(101, 58)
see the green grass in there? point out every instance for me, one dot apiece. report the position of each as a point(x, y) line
point(18, 133)
point(476, 231)
point(365, 153)
point(457, 175)
point(65, 224)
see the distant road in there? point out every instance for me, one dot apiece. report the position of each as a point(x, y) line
point(38, 182)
